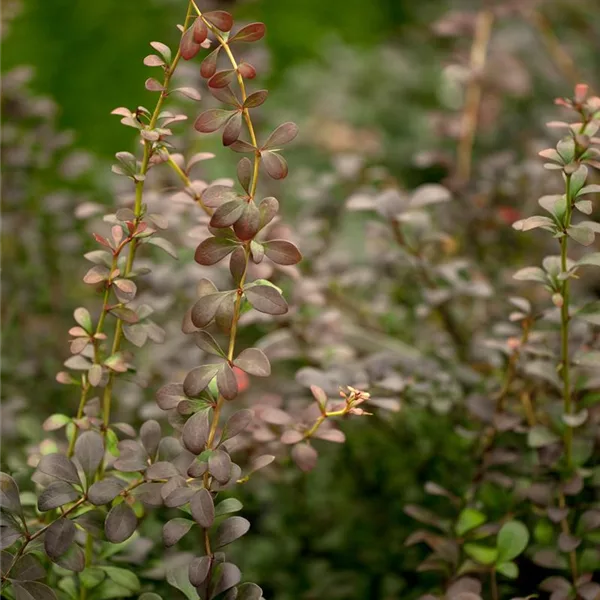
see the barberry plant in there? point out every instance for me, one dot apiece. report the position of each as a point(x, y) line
point(92, 497)
point(532, 499)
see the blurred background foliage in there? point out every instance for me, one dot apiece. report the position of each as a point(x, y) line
point(377, 87)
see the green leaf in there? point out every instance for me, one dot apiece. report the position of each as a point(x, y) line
point(91, 577)
point(508, 569)
point(540, 436)
point(179, 579)
point(482, 554)
point(513, 538)
point(123, 577)
point(469, 519)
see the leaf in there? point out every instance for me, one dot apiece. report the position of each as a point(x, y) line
point(227, 382)
point(211, 120)
point(482, 554)
point(226, 576)
point(275, 164)
point(170, 395)
point(73, 559)
point(249, 591)
point(28, 568)
point(226, 215)
point(203, 508)
point(125, 578)
point(468, 519)
point(33, 590)
point(305, 457)
point(188, 45)
point(56, 494)
point(207, 342)
point(266, 299)
point(125, 314)
point(149, 494)
point(120, 523)
point(91, 577)
point(256, 99)
point(534, 223)
point(250, 33)
point(247, 226)
point(175, 529)
point(161, 470)
point(89, 451)
point(228, 506)
point(589, 189)
point(203, 312)
point(581, 234)
point(179, 579)
point(530, 274)
point(513, 538)
point(197, 380)
point(540, 436)
point(233, 129)
point(9, 494)
point(237, 423)
point(60, 467)
point(195, 432)
point(282, 135)
point(58, 537)
point(591, 259)
point(83, 318)
point(508, 569)
point(253, 361)
point(221, 19)
point(219, 466)
point(578, 180)
point(208, 66)
point(198, 570)
point(150, 435)
point(230, 530)
point(246, 70)
point(163, 244)
point(200, 30)
point(282, 252)
point(105, 491)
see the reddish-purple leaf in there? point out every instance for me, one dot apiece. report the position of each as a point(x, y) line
point(153, 61)
point(242, 147)
point(188, 46)
point(224, 315)
point(266, 299)
point(203, 508)
point(250, 33)
point(268, 209)
point(256, 99)
point(237, 264)
point(221, 19)
point(227, 382)
point(195, 432)
point(175, 529)
point(230, 530)
point(225, 95)
point(58, 537)
point(221, 79)
point(233, 129)
point(200, 30)
point(275, 164)
point(212, 120)
point(244, 172)
point(219, 466)
point(209, 65)
point(120, 523)
point(253, 361)
point(248, 225)
point(275, 416)
point(227, 214)
point(284, 134)
point(197, 380)
point(213, 249)
point(153, 85)
point(282, 252)
point(198, 571)
point(189, 92)
point(236, 424)
point(215, 195)
point(246, 70)
point(305, 456)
